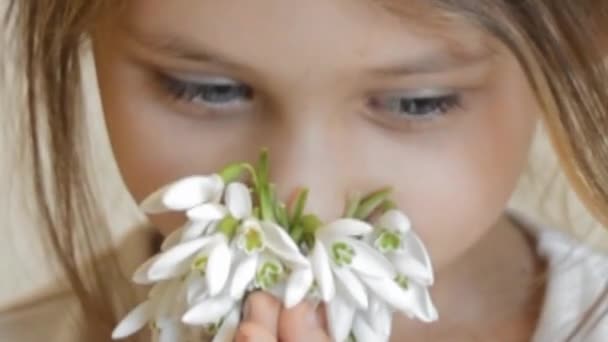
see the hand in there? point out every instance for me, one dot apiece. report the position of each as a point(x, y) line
point(265, 320)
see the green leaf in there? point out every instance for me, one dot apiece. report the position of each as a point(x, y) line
point(300, 204)
point(296, 233)
point(352, 205)
point(281, 215)
point(372, 202)
point(263, 187)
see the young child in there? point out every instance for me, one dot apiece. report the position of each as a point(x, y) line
point(439, 99)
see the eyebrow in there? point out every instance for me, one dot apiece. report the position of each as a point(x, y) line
point(437, 61)
point(176, 47)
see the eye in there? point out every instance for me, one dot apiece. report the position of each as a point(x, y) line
point(211, 92)
point(415, 107)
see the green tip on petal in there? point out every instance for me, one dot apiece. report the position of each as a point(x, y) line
point(199, 264)
point(253, 241)
point(269, 274)
point(352, 205)
point(402, 281)
point(342, 254)
point(388, 241)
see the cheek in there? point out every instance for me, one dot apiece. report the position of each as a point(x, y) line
point(455, 184)
point(152, 145)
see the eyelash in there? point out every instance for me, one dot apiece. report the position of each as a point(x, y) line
point(216, 94)
point(221, 95)
point(417, 107)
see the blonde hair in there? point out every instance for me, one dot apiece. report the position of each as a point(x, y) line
point(561, 44)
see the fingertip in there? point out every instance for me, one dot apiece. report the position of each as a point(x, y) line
point(263, 309)
point(253, 332)
point(306, 321)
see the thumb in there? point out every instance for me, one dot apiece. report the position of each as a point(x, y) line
point(304, 322)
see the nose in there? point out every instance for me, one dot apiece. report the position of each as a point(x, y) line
point(308, 155)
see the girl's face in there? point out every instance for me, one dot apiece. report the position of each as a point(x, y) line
point(346, 95)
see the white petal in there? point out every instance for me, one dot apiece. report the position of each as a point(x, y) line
point(411, 268)
point(415, 262)
point(352, 286)
point(395, 220)
point(140, 276)
point(193, 230)
point(363, 332)
point(207, 212)
point(282, 245)
point(196, 288)
point(340, 316)
point(134, 321)
point(170, 330)
point(414, 302)
point(243, 276)
point(172, 262)
point(238, 200)
point(428, 312)
point(209, 311)
point(369, 261)
point(322, 271)
point(345, 227)
point(172, 239)
point(218, 268)
point(183, 194)
point(298, 284)
point(229, 327)
point(379, 316)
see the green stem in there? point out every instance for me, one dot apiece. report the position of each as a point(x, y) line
point(300, 204)
point(372, 202)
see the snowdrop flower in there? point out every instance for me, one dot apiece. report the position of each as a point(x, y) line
point(265, 248)
point(218, 314)
point(403, 248)
point(185, 194)
point(162, 305)
point(208, 256)
point(407, 291)
point(339, 260)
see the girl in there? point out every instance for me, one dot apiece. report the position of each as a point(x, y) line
point(439, 99)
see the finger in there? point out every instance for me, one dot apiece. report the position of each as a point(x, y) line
point(304, 322)
point(262, 309)
point(254, 332)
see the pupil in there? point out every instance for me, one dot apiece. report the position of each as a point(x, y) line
point(419, 106)
point(223, 93)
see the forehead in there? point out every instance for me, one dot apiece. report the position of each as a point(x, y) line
point(345, 33)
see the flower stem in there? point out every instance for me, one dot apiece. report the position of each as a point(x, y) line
point(298, 208)
point(372, 202)
point(263, 188)
point(354, 201)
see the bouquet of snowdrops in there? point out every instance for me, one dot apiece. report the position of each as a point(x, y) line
point(239, 238)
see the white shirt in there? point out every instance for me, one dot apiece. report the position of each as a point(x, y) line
point(578, 276)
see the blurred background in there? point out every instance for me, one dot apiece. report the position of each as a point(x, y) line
point(24, 274)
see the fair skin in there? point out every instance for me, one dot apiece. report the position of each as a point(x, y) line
point(346, 96)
